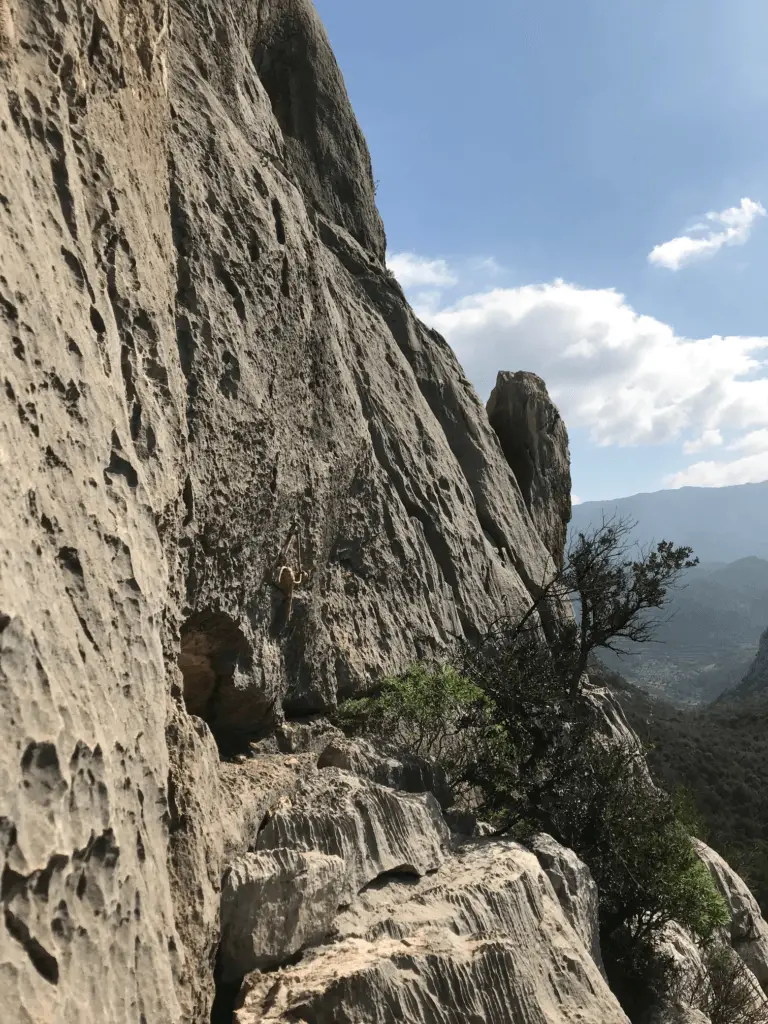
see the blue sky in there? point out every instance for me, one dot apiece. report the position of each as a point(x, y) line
point(531, 157)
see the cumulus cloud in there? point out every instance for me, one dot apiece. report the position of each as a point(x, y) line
point(728, 227)
point(628, 378)
point(413, 271)
point(709, 439)
point(752, 469)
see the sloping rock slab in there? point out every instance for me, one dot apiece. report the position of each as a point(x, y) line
point(482, 940)
point(372, 828)
point(411, 775)
point(273, 904)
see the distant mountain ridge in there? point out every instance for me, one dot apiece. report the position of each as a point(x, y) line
point(721, 524)
point(708, 632)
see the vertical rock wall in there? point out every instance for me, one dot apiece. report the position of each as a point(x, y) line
point(202, 356)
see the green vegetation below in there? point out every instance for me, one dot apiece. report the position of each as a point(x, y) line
point(717, 758)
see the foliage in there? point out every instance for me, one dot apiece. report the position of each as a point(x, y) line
point(724, 989)
point(639, 852)
point(612, 586)
point(508, 723)
point(522, 678)
point(719, 757)
point(430, 711)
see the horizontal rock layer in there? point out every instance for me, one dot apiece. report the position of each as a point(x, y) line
point(482, 939)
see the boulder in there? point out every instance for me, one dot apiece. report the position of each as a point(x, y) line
point(373, 829)
point(410, 774)
point(575, 889)
point(273, 905)
point(748, 930)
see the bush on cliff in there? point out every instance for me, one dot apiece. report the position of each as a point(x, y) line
point(723, 989)
point(430, 711)
point(507, 721)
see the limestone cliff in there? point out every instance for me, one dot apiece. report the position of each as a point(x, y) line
point(208, 378)
point(239, 479)
point(535, 443)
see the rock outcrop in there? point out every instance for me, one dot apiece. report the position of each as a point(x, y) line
point(484, 938)
point(206, 368)
point(535, 443)
point(575, 889)
point(755, 682)
point(748, 931)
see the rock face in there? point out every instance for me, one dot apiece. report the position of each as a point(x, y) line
point(274, 904)
point(238, 479)
point(748, 933)
point(575, 889)
point(206, 368)
point(373, 829)
point(482, 939)
point(535, 443)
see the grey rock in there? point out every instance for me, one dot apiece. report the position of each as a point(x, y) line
point(535, 443)
point(483, 939)
point(201, 346)
point(314, 395)
point(373, 829)
point(755, 682)
point(410, 774)
point(325, 152)
point(274, 904)
point(576, 890)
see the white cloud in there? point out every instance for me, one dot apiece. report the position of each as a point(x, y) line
point(575, 500)
point(729, 227)
point(626, 378)
point(754, 443)
point(629, 379)
point(709, 439)
point(414, 271)
point(752, 469)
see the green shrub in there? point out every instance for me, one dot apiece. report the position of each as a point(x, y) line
point(725, 991)
point(429, 711)
point(509, 725)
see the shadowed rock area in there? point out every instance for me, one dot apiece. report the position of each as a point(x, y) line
point(535, 443)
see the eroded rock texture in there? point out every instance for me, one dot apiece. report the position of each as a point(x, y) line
point(211, 385)
point(748, 932)
point(202, 357)
point(483, 939)
point(575, 889)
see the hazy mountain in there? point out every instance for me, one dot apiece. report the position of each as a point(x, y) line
point(755, 682)
point(721, 524)
point(708, 634)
